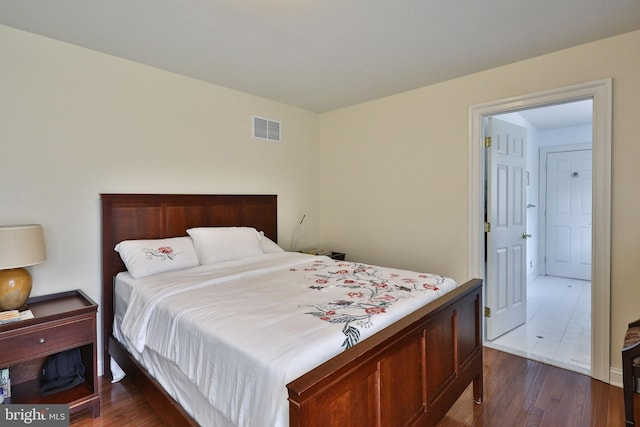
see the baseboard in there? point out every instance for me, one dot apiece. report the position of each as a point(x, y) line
point(615, 377)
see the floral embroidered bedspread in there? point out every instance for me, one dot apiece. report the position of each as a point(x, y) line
point(369, 291)
point(242, 330)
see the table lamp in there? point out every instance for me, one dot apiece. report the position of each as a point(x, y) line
point(20, 246)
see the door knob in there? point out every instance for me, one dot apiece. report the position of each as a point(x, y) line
point(526, 236)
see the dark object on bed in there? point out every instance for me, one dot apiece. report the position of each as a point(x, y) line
point(410, 373)
point(631, 369)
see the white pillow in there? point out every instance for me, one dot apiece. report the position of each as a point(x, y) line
point(268, 245)
point(217, 244)
point(148, 257)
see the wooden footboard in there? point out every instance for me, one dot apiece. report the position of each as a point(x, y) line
point(408, 374)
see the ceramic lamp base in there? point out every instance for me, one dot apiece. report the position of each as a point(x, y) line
point(15, 287)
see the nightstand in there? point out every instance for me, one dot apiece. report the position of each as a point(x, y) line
point(61, 321)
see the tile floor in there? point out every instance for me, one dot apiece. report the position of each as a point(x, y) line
point(558, 326)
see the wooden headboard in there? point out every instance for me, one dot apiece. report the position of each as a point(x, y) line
point(156, 216)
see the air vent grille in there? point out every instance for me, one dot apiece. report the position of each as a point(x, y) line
point(266, 129)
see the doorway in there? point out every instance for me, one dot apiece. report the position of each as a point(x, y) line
point(556, 328)
point(600, 93)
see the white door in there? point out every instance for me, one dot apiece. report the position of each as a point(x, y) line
point(506, 238)
point(568, 222)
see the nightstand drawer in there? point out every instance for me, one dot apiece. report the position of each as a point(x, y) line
point(46, 340)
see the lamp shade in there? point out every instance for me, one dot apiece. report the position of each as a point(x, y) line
point(21, 246)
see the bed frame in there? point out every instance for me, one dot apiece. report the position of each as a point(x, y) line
point(410, 373)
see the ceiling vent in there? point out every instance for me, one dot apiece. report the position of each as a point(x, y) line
point(266, 129)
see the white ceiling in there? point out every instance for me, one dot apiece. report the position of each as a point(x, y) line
point(324, 54)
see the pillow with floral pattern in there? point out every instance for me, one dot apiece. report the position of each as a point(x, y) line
point(148, 257)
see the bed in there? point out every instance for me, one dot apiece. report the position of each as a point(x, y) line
point(409, 373)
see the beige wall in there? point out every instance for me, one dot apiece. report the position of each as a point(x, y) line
point(393, 186)
point(75, 123)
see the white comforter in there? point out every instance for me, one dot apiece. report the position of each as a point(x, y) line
point(242, 330)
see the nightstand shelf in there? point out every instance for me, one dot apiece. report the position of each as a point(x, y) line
point(61, 321)
point(29, 392)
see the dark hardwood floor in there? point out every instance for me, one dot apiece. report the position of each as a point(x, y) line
point(517, 392)
point(121, 404)
point(522, 392)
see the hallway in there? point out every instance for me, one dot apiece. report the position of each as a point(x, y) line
point(558, 326)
